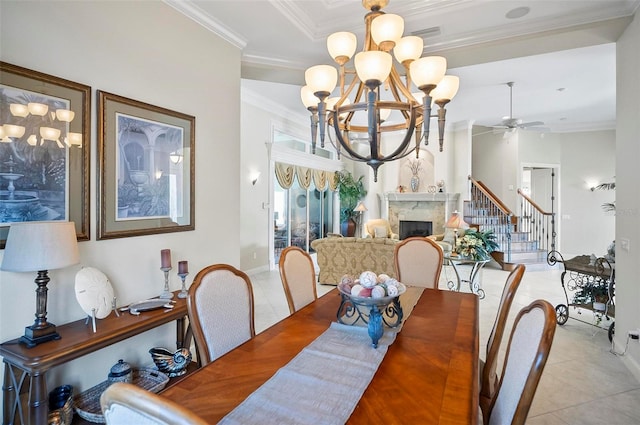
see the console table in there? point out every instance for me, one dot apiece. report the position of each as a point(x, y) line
point(25, 368)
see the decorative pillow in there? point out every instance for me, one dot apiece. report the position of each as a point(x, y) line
point(380, 232)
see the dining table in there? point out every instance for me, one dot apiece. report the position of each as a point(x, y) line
point(428, 375)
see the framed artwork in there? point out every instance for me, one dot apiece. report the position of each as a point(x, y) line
point(146, 179)
point(44, 149)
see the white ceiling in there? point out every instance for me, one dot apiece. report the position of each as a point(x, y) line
point(561, 55)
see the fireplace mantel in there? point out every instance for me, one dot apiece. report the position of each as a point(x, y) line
point(418, 206)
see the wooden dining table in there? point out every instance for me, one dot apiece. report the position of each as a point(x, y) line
point(429, 374)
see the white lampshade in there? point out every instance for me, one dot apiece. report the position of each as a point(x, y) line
point(49, 133)
point(19, 110)
point(321, 78)
point(342, 45)
point(39, 109)
point(428, 70)
point(32, 140)
point(12, 130)
point(446, 89)
point(40, 245)
point(65, 115)
point(385, 114)
point(75, 139)
point(308, 98)
point(373, 65)
point(387, 27)
point(408, 48)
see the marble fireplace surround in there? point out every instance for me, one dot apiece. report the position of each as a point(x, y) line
point(418, 206)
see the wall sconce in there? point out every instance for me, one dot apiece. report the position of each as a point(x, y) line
point(254, 178)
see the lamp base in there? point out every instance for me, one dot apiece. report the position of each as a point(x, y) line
point(34, 335)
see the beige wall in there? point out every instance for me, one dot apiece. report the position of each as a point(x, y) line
point(627, 194)
point(149, 52)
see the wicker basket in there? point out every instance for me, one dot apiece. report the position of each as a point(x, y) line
point(87, 404)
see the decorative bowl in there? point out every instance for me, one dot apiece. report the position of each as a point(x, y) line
point(172, 363)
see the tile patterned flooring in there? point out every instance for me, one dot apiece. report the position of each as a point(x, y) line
point(583, 382)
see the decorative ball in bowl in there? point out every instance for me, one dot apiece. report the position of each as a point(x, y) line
point(172, 363)
point(371, 289)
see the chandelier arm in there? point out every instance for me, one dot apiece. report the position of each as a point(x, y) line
point(372, 122)
point(426, 117)
point(347, 146)
point(314, 128)
point(322, 118)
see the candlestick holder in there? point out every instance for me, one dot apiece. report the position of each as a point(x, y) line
point(166, 294)
point(183, 292)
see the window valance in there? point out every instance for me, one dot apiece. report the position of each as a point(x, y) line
point(322, 179)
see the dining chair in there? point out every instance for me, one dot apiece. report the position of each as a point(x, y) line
point(488, 375)
point(298, 277)
point(527, 354)
point(125, 404)
point(221, 312)
point(418, 262)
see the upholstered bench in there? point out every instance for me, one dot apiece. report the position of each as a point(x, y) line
point(339, 256)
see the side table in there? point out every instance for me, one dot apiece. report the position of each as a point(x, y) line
point(25, 368)
point(476, 266)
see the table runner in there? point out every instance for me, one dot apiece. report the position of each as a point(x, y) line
point(325, 381)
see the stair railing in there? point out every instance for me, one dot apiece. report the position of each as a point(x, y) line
point(490, 213)
point(538, 223)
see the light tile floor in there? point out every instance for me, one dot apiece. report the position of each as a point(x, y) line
point(583, 382)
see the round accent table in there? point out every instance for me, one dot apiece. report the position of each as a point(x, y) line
point(473, 281)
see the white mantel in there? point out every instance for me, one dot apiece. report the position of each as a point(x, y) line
point(418, 206)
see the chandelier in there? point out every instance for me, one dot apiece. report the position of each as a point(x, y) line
point(378, 99)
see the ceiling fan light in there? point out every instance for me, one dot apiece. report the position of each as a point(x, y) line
point(373, 66)
point(387, 28)
point(342, 46)
point(19, 110)
point(321, 79)
point(447, 88)
point(408, 48)
point(39, 109)
point(428, 71)
point(308, 98)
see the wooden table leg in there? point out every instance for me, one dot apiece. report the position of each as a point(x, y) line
point(38, 404)
point(9, 394)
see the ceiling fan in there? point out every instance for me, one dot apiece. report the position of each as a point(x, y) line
point(510, 124)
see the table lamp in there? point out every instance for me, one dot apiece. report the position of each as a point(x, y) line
point(360, 209)
point(456, 222)
point(39, 247)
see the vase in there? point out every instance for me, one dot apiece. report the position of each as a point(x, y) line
point(415, 183)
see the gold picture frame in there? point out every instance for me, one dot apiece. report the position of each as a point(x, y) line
point(146, 178)
point(44, 149)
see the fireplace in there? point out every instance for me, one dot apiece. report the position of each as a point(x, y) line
point(415, 228)
point(434, 208)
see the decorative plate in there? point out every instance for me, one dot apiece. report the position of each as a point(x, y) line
point(151, 304)
point(94, 292)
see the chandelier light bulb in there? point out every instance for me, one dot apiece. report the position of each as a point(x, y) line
point(19, 110)
point(446, 89)
point(342, 45)
point(65, 115)
point(308, 98)
point(39, 109)
point(12, 130)
point(408, 48)
point(373, 66)
point(75, 139)
point(386, 30)
point(427, 72)
point(49, 133)
point(321, 79)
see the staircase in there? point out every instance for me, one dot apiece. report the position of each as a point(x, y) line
point(522, 239)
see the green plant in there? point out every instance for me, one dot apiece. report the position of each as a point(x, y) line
point(607, 206)
point(350, 192)
point(476, 244)
point(589, 294)
point(127, 194)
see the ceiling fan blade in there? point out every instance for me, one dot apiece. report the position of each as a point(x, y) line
point(530, 124)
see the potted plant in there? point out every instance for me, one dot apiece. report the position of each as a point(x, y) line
point(127, 196)
point(350, 191)
point(476, 244)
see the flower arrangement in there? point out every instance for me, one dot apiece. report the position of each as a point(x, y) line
point(476, 244)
